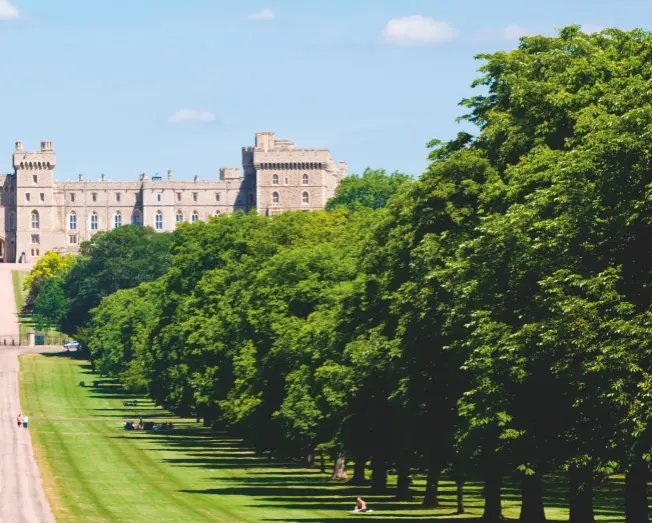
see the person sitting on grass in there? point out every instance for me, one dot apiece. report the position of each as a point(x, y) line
point(360, 505)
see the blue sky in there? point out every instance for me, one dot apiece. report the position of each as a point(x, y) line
point(132, 86)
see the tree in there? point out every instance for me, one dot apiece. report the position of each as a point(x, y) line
point(48, 266)
point(372, 189)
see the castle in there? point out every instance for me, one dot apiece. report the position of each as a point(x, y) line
point(39, 214)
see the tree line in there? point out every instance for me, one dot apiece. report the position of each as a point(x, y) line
point(489, 319)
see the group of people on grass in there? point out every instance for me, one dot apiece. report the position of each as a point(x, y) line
point(21, 421)
point(129, 425)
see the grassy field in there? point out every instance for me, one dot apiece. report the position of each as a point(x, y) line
point(26, 321)
point(93, 470)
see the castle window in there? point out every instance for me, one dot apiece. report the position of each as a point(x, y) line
point(72, 221)
point(36, 239)
point(117, 197)
point(178, 196)
point(195, 216)
point(12, 199)
point(275, 179)
point(35, 178)
point(38, 252)
point(72, 197)
point(117, 220)
point(94, 196)
point(179, 217)
point(35, 222)
point(305, 198)
point(287, 180)
point(73, 239)
point(194, 197)
point(42, 197)
point(216, 212)
point(12, 222)
point(136, 218)
point(158, 197)
point(251, 198)
point(94, 221)
point(27, 197)
point(304, 179)
point(217, 197)
point(275, 197)
point(159, 220)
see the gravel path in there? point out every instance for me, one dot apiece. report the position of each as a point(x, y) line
point(22, 499)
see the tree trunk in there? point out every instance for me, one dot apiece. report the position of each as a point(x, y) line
point(378, 476)
point(403, 484)
point(532, 499)
point(431, 497)
point(493, 509)
point(636, 503)
point(581, 496)
point(322, 462)
point(359, 472)
point(460, 497)
point(339, 469)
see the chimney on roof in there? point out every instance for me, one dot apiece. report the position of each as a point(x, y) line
point(169, 175)
point(102, 177)
point(81, 177)
point(19, 146)
point(196, 177)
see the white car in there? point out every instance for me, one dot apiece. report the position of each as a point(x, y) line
point(71, 345)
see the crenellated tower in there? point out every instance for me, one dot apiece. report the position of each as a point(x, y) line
point(36, 209)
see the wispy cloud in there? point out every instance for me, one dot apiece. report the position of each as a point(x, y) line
point(191, 115)
point(417, 30)
point(263, 14)
point(514, 32)
point(8, 10)
point(591, 28)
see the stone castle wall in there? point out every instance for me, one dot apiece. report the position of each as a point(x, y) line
point(38, 214)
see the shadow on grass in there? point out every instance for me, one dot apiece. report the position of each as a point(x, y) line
point(275, 484)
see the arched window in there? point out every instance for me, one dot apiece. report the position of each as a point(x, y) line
point(179, 216)
point(216, 212)
point(35, 221)
point(275, 179)
point(94, 221)
point(136, 218)
point(12, 221)
point(304, 179)
point(305, 198)
point(72, 221)
point(12, 198)
point(195, 216)
point(275, 198)
point(159, 220)
point(117, 220)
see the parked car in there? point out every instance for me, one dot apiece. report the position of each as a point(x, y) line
point(71, 345)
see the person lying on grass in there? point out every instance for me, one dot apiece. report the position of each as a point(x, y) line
point(360, 505)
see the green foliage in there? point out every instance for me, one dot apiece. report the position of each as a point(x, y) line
point(373, 189)
point(490, 317)
point(48, 266)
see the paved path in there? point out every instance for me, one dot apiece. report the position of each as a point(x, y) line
point(22, 499)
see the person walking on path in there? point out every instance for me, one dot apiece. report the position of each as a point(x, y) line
point(25, 420)
point(19, 420)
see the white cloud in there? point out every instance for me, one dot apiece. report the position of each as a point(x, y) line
point(514, 32)
point(417, 30)
point(591, 28)
point(191, 115)
point(263, 14)
point(8, 10)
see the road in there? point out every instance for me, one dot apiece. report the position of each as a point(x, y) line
point(22, 499)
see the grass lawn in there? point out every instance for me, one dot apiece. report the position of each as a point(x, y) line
point(93, 470)
point(26, 321)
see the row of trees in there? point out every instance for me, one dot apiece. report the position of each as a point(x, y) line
point(491, 318)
